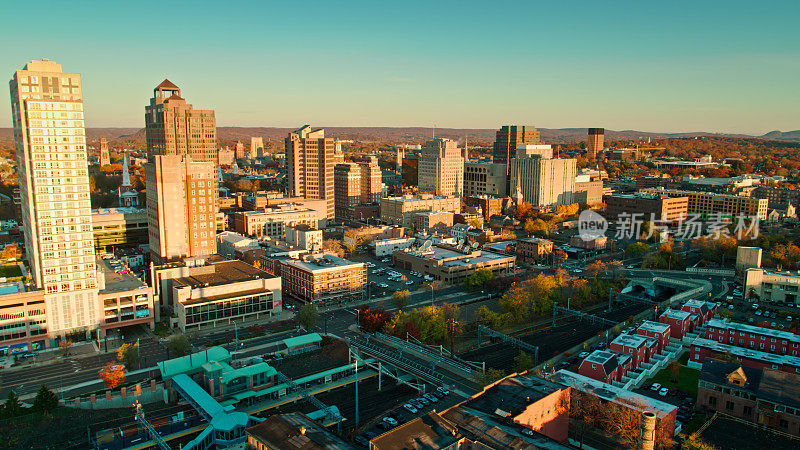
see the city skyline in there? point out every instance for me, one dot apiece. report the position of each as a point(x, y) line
point(719, 68)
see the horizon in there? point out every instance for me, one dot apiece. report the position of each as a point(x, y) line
point(721, 68)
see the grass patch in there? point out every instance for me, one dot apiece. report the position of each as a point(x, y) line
point(684, 359)
point(694, 424)
point(10, 271)
point(686, 381)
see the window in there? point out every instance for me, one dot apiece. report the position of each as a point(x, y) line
point(729, 405)
point(712, 401)
point(747, 411)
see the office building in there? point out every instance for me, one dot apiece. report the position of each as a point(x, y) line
point(181, 207)
point(484, 178)
point(371, 179)
point(433, 221)
point(241, 152)
point(119, 227)
point(542, 179)
point(324, 281)
point(441, 168)
point(174, 127)
point(50, 143)
point(588, 189)
point(777, 195)
point(533, 248)
point(234, 245)
point(304, 236)
point(772, 286)
point(309, 165)
point(747, 258)
point(355, 184)
point(181, 176)
point(594, 142)
point(400, 210)
point(225, 156)
point(508, 138)
point(709, 203)
point(272, 221)
point(452, 264)
point(645, 207)
point(105, 157)
point(257, 147)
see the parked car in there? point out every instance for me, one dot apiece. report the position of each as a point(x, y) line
point(391, 421)
point(409, 282)
point(655, 387)
point(673, 392)
point(663, 392)
point(431, 397)
point(386, 426)
point(443, 392)
point(788, 318)
point(647, 385)
point(423, 400)
point(410, 408)
point(417, 404)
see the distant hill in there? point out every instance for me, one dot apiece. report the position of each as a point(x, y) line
point(418, 134)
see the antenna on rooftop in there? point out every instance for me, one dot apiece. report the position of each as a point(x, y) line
point(434, 131)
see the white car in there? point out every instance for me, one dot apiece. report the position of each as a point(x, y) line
point(788, 318)
point(390, 421)
point(383, 285)
point(663, 392)
point(655, 387)
point(409, 282)
point(410, 408)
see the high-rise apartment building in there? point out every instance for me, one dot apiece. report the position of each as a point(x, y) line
point(441, 168)
point(309, 165)
point(173, 127)
point(354, 184)
point(371, 179)
point(180, 176)
point(257, 147)
point(594, 142)
point(181, 207)
point(105, 157)
point(507, 139)
point(50, 142)
point(542, 179)
point(241, 152)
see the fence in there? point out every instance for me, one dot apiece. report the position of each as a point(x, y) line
point(120, 398)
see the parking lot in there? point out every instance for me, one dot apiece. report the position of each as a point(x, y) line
point(386, 279)
point(763, 314)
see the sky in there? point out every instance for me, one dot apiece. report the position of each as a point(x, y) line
point(719, 66)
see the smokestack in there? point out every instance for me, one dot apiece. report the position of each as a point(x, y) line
point(648, 438)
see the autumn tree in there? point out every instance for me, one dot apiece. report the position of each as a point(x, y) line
point(452, 315)
point(477, 279)
point(522, 211)
point(490, 376)
point(11, 252)
point(128, 355)
point(400, 299)
point(112, 374)
point(373, 320)
point(674, 370)
point(333, 246)
point(595, 269)
point(65, 346)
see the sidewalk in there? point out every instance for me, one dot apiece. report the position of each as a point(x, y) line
point(54, 355)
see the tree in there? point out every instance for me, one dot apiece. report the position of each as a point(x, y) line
point(560, 256)
point(112, 374)
point(522, 211)
point(637, 248)
point(674, 370)
point(477, 279)
point(490, 376)
point(400, 299)
point(333, 246)
point(65, 346)
point(128, 354)
point(12, 407)
point(522, 362)
point(307, 316)
point(11, 252)
point(451, 315)
point(595, 268)
point(373, 320)
point(178, 345)
point(45, 400)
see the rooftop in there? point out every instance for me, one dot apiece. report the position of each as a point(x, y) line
point(324, 263)
point(716, 371)
point(305, 339)
point(118, 210)
point(630, 340)
point(612, 393)
point(224, 272)
point(493, 432)
point(118, 282)
point(752, 329)
point(676, 314)
point(657, 327)
point(609, 360)
point(428, 431)
point(513, 395)
point(193, 362)
point(295, 431)
point(748, 353)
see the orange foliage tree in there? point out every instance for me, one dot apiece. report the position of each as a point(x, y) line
point(113, 374)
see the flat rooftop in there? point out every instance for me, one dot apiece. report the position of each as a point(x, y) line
point(325, 262)
point(117, 282)
point(224, 272)
point(676, 314)
point(748, 353)
point(629, 340)
point(752, 329)
point(612, 393)
point(513, 395)
point(657, 327)
point(119, 210)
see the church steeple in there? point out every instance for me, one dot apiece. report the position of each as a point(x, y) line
point(126, 176)
point(518, 198)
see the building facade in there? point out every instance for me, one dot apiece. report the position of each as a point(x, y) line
point(543, 180)
point(484, 178)
point(709, 203)
point(594, 142)
point(272, 221)
point(119, 227)
point(50, 143)
point(400, 210)
point(659, 207)
point(507, 139)
point(324, 281)
point(309, 165)
point(441, 168)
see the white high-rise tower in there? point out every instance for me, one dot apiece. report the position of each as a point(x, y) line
point(50, 142)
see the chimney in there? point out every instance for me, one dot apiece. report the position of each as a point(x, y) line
point(648, 438)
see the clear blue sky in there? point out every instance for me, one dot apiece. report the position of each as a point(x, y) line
point(701, 65)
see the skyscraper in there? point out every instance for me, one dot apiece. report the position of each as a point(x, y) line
point(173, 127)
point(309, 165)
point(594, 142)
point(180, 176)
point(441, 168)
point(105, 158)
point(542, 179)
point(50, 142)
point(256, 147)
point(508, 138)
